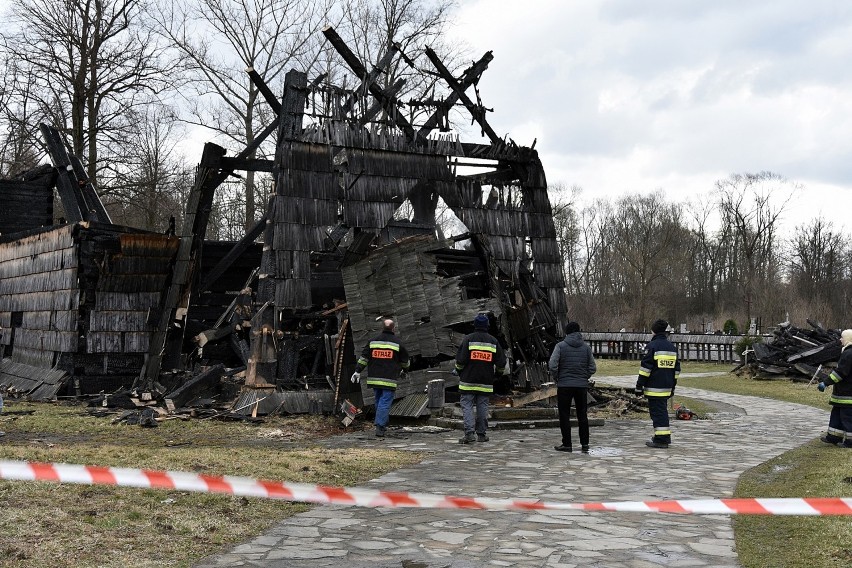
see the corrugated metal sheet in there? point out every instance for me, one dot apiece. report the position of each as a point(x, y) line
point(35, 382)
point(411, 406)
point(317, 401)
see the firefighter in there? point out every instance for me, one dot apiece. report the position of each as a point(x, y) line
point(840, 420)
point(658, 374)
point(480, 357)
point(385, 358)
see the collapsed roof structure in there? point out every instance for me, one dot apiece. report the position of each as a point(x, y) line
point(127, 308)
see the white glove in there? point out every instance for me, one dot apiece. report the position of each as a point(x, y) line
point(356, 377)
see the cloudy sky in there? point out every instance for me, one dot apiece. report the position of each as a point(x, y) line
point(630, 96)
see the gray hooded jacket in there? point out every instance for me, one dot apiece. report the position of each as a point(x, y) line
point(572, 363)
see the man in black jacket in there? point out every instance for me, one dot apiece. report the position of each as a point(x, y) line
point(840, 421)
point(572, 366)
point(385, 357)
point(479, 358)
point(658, 374)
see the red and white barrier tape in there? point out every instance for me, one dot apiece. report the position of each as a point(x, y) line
point(302, 492)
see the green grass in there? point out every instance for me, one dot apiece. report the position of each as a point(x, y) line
point(45, 524)
point(813, 470)
point(618, 367)
point(786, 390)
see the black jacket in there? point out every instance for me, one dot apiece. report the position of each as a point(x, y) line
point(479, 358)
point(841, 378)
point(572, 362)
point(660, 367)
point(385, 358)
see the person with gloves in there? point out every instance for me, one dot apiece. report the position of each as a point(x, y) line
point(385, 358)
point(479, 359)
point(572, 366)
point(658, 374)
point(840, 379)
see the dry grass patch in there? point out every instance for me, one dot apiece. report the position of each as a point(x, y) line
point(813, 470)
point(620, 367)
point(47, 524)
point(778, 389)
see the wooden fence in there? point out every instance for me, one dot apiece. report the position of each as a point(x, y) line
point(690, 347)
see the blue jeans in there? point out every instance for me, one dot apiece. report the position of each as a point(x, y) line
point(480, 401)
point(384, 399)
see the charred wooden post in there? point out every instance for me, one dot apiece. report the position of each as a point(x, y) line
point(168, 337)
point(73, 182)
point(263, 358)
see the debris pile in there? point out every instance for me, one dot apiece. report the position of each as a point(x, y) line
point(800, 353)
point(616, 401)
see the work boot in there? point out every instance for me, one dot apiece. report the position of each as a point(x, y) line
point(380, 431)
point(482, 437)
point(563, 448)
point(585, 449)
point(831, 440)
point(468, 438)
point(656, 444)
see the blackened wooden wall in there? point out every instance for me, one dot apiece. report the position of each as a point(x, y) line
point(82, 298)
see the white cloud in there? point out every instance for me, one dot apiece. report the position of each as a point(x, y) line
point(633, 96)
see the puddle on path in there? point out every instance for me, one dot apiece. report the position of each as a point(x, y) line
point(604, 452)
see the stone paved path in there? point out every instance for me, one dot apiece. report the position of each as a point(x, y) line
point(704, 461)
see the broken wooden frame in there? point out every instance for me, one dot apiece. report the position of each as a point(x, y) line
point(342, 170)
point(341, 173)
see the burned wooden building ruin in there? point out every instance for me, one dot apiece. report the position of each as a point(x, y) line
point(105, 307)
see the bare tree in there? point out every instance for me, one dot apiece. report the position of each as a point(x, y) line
point(819, 262)
point(152, 175)
point(19, 150)
point(219, 39)
point(751, 206)
point(563, 206)
point(90, 63)
point(372, 26)
point(643, 235)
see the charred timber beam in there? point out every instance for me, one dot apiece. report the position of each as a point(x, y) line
point(292, 108)
point(370, 78)
point(73, 181)
point(513, 154)
point(94, 205)
point(388, 102)
point(167, 340)
point(236, 252)
point(69, 192)
point(476, 111)
point(264, 89)
point(206, 380)
point(470, 76)
point(251, 165)
point(240, 159)
point(373, 111)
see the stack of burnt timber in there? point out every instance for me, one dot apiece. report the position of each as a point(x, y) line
point(796, 351)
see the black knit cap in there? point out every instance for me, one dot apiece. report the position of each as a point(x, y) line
point(480, 322)
point(572, 327)
point(659, 326)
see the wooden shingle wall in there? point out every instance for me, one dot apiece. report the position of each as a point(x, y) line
point(39, 296)
point(79, 298)
point(131, 275)
point(401, 281)
point(26, 204)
